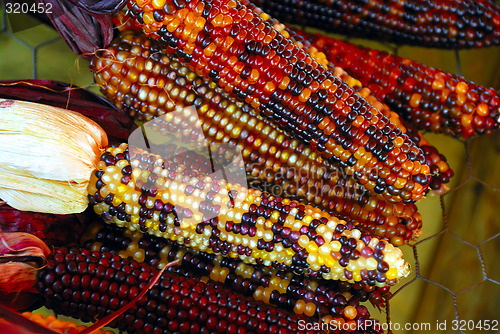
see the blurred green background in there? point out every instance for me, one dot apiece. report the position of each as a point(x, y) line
point(456, 272)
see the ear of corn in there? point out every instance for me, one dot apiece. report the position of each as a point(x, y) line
point(88, 285)
point(312, 297)
point(426, 97)
point(46, 157)
point(234, 46)
point(178, 203)
point(154, 85)
point(451, 24)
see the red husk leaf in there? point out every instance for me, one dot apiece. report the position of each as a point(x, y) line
point(20, 256)
point(17, 277)
point(83, 32)
point(114, 121)
point(100, 7)
point(21, 244)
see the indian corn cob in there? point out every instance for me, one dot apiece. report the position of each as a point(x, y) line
point(234, 46)
point(130, 99)
point(429, 23)
point(151, 85)
point(140, 190)
point(441, 172)
point(429, 98)
point(88, 285)
point(312, 297)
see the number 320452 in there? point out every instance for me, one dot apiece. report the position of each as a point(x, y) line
point(481, 325)
point(25, 8)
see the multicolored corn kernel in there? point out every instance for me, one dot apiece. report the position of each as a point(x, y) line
point(232, 44)
point(426, 97)
point(312, 297)
point(442, 24)
point(156, 86)
point(166, 199)
point(88, 285)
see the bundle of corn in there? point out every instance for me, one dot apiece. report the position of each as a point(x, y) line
point(233, 45)
point(147, 83)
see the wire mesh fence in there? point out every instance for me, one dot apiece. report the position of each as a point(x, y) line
point(455, 284)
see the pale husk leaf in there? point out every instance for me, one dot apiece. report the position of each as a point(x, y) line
point(47, 155)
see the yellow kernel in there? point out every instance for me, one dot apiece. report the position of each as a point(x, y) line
point(483, 109)
point(139, 255)
point(284, 83)
point(116, 201)
point(400, 183)
point(310, 309)
point(371, 264)
point(303, 241)
point(324, 249)
point(142, 3)
point(312, 247)
point(350, 312)
point(300, 307)
point(336, 246)
point(392, 273)
point(158, 4)
point(437, 84)
point(461, 88)
point(356, 275)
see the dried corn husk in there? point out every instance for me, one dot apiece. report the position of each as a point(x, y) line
point(46, 157)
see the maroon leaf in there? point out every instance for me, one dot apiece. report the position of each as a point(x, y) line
point(101, 7)
point(83, 32)
point(114, 121)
